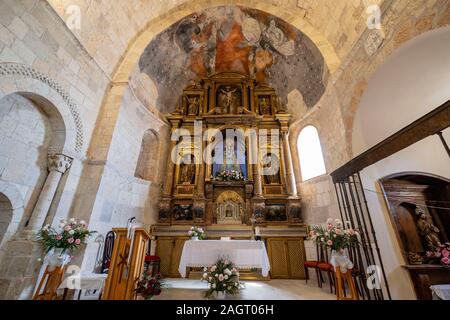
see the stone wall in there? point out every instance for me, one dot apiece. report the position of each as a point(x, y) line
point(120, 194)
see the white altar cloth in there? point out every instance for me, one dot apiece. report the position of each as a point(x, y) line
point(245, 254)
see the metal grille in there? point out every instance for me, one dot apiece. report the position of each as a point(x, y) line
point(353, 208)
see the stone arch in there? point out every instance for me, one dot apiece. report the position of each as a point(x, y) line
point(147, 165)
point(6, 212)
point(14, 202)
point(155, 26)
point(41, 89)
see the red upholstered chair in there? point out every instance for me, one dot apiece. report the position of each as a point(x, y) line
point(154, 262)
point(313, 264)
point(325, 266)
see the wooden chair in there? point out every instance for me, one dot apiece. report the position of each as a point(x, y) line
point(49, 284)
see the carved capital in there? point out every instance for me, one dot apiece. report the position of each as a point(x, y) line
point(59, 162)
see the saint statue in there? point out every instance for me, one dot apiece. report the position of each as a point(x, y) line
point(194, 104)
point(427, 229)
point(229, 212)
point(271, 170)
point(264, 106)
point(187, 173)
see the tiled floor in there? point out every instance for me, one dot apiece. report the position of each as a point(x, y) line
point(187, 289)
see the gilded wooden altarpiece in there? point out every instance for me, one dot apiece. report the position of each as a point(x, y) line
point(191, 193)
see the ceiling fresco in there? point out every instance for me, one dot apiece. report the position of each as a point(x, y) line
point(232, 38)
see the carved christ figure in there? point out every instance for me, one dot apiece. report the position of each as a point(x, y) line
point(228, 99)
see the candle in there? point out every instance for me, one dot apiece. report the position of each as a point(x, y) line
point(258, 231)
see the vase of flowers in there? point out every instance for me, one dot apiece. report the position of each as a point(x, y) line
point(229, 175)
point(150, 286)
point(441, 255)
point(197, 233)
point(337, 238)
point(60, 244)
point(222, 278)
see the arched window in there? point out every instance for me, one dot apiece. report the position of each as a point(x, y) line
point(310, 153)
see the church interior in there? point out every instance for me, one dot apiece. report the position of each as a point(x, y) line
point(238, 149)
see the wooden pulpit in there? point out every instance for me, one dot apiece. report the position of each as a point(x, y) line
point(127, 264)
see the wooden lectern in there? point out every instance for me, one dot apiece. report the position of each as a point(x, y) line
point(127, 264)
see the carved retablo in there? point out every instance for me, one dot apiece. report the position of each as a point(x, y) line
point(231, 163)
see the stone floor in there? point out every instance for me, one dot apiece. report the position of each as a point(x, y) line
point(188, 289)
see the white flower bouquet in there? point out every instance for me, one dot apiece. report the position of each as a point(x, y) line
point(222, 277)
point(197, 232)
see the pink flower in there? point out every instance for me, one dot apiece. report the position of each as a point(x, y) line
point(77, 242)
point(445, 260)
point(329, 242)
point(58, 237)
point(445, 253)
point(67, 228)
point(221, 277)
point(70, 240)
point(329, 226)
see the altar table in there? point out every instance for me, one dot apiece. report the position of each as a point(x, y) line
point(245, 254)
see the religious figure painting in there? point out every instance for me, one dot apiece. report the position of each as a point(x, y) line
point(234, 39)
point(276, 213)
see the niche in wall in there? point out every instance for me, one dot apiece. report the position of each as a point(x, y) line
point(419, 207)
point(413, 200)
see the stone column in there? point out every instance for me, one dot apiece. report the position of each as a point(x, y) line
point(58, 164)
point(201, 176)
point(254, 156)
point(290, 177)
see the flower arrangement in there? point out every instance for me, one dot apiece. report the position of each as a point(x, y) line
point(150, 286)
point(197, 232)
point(334, 235)
point(222, 277)
point(71, 236)
point(442, 254)
point(229, 175)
